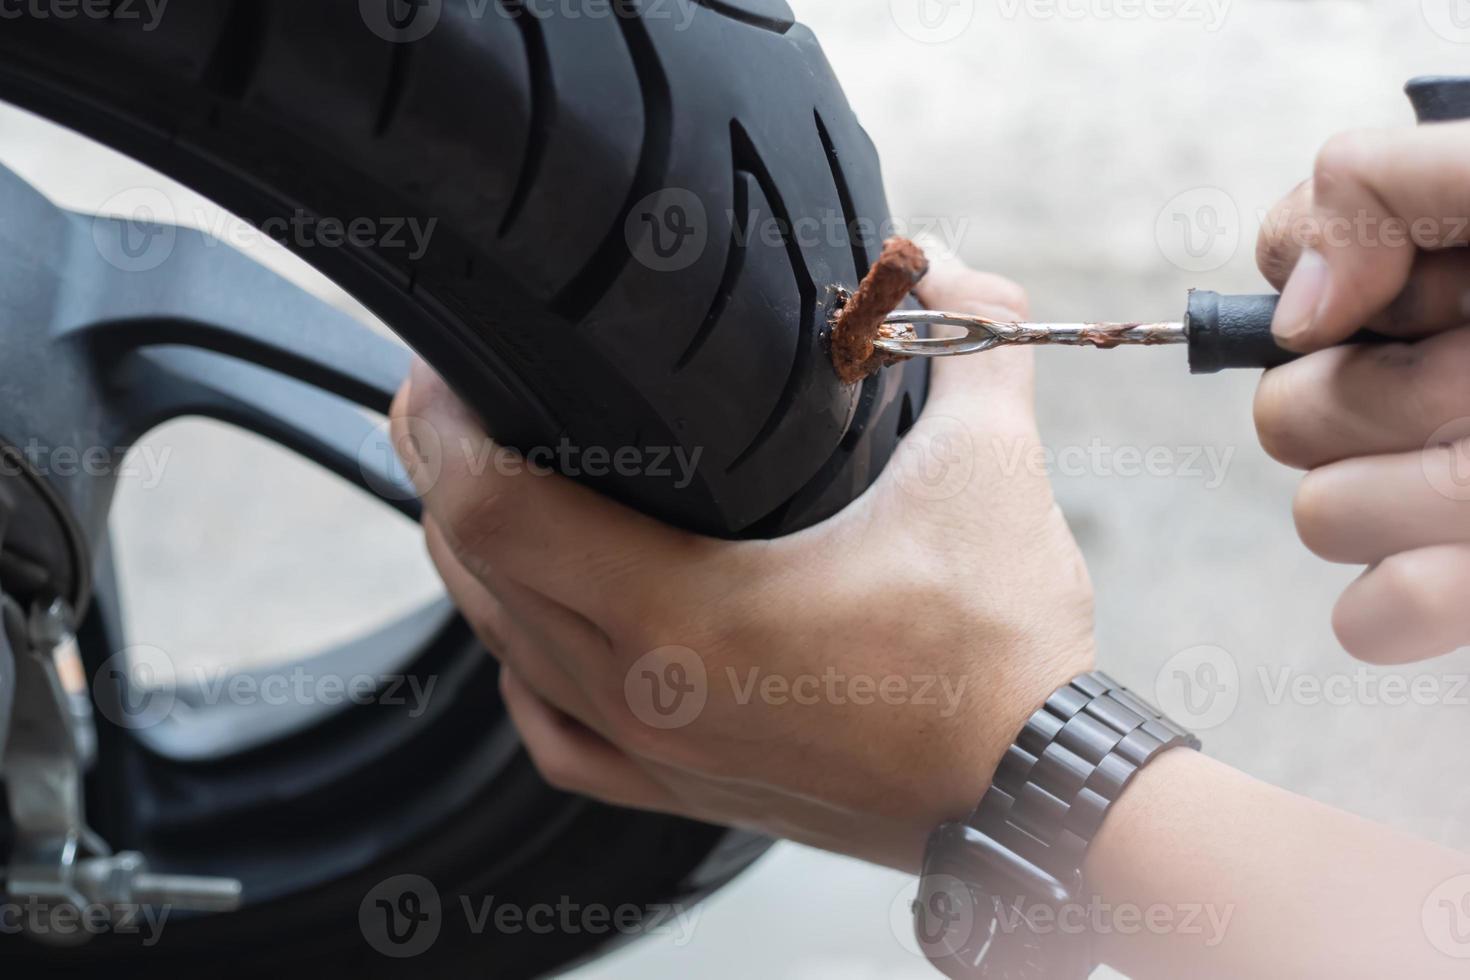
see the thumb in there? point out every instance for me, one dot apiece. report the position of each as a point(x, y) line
point(976, 439)
point(997, 384)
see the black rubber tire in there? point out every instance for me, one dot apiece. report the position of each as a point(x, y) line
point(547, 143)
point(534, 143)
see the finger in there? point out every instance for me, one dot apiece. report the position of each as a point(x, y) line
point(1284, 232)
point(998, 381)
point(564, 654)
point(565, 629)
point(977, 433)
point(1435, 298)
point(544, 531)
point(1365, 401)
point(1361, 511)
point(506, 636)
point(1378, 198)
point(1409, 607)
point(570, 757)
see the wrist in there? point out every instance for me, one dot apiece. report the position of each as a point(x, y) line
point(1025, 847)
point(1013, 699)
point(988, 730)
point(1150, 820)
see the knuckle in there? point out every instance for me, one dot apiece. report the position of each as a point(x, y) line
point(1283, 233)
point(559, 767)
point(488, 622)
point(656, 745)
point(602, 695)
point(1341, 160)
point(477, 523)
point(424, 393)
point(676, 748)
point(1275, 256)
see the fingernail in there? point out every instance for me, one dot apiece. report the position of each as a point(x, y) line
point(1302, 297)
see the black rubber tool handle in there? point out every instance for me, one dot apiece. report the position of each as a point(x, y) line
point(1440, 98)
point(1235, 331)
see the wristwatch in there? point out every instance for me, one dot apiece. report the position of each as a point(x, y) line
point(1002, 892)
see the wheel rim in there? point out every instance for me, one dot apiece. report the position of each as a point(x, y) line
point(117, 327)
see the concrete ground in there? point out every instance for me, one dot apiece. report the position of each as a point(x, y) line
point(1072, 148)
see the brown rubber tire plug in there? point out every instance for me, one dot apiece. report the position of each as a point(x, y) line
point(860, 320)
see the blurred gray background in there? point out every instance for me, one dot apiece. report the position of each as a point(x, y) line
point(1106, 162)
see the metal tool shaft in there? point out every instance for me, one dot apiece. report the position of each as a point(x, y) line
point(1097, 334)
point(982, 334)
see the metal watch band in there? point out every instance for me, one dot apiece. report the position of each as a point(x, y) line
point(1067, 767)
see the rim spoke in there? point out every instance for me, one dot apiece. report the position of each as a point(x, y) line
point(186, 325)
point(171, 382)
point(205, 294)
point(205, 728)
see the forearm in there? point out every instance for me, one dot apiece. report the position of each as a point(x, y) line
point(1272, 884)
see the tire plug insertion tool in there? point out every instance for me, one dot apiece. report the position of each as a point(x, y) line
point(1221, 331)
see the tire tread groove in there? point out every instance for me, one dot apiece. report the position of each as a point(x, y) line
point(747, 157)
point(393, 90)
point(238, 51)
point(860, 261)
point(543, 109)
point(734, 263)
point(582, 294)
